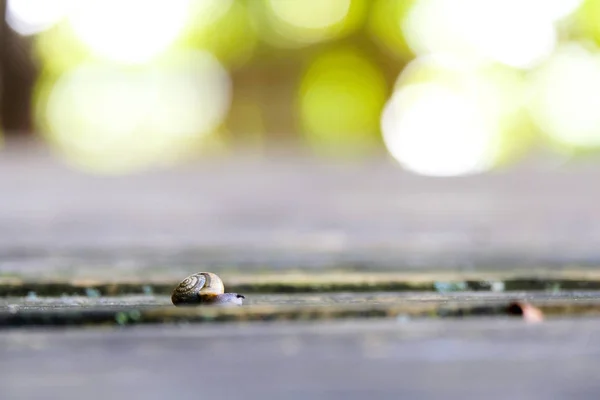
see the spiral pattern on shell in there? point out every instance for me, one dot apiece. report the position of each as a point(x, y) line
point(189, 290)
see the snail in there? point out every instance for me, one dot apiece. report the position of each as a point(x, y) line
point(204, 288)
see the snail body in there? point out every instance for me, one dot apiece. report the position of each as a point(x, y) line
point(204, 288)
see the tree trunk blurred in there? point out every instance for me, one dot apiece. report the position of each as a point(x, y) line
point(17, 77)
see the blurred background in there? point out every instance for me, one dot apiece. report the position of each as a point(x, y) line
point(298, 133)
point(145, 140)
point(444, 88)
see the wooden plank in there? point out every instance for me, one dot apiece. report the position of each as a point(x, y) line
point(492, 359)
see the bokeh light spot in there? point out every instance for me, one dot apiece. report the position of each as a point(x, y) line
point(113, 119)
point(498, 89)
point(29, 17)
point(311, 14)
point(341, 97)
point(518, 33)
point(566, 95)
point(128, 30)
point(432, 130)
point(299, 23)
point(496, 95)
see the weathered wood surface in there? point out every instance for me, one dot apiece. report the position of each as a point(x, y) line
point(307, 299)
point(313, 282)
point(290, 213)
point(489, 359)
point(138, 310)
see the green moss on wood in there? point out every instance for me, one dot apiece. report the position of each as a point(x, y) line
point(317, 283)
point(171, 315)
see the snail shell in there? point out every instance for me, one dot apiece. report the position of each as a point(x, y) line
point(203, 287)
